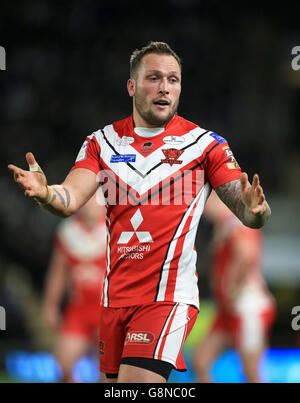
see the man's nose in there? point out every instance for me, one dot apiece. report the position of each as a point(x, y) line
point(164, 89)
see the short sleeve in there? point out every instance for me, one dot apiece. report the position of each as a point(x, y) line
point(89, 155)
point(221, 166)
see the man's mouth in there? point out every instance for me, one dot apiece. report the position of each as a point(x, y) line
point(162, 103)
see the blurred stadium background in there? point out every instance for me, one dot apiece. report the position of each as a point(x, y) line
point(67, 63)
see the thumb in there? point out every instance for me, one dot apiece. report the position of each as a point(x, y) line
point(30, 159)
point(33, 165)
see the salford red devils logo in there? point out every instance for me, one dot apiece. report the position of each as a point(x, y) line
point(172, 156)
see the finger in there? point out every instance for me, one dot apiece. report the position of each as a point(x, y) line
point(30, 159)
point(261, 196)
point(33, 165)
point(17, 172)
point(14, 169)
point(258, 209)
point(244, 180)
point(29, 193)
point(255, 181)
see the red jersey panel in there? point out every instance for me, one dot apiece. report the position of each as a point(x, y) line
point(84, 249)
point(155, 190)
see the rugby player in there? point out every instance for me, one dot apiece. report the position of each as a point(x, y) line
point(150, 296)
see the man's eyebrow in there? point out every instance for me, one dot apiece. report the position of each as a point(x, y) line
point(177, 73)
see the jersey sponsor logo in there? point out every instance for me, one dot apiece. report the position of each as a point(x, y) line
point(218, 138)
point(231, 161)
point(125, 141)
point(172, 155)
point(137, 337)
point(133, 252)
point(82, 152)
point(147, 148)
point(143, 236)
point(173, 140)
point(122, 158)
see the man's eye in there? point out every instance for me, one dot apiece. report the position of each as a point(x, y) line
point(153, 78)
point(173, 80)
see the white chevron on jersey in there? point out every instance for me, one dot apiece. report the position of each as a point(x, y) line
point(186, 295)
point(105, 287)
point(188, 259)
point(137, 178)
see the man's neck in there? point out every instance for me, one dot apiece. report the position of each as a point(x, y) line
point(138, 121)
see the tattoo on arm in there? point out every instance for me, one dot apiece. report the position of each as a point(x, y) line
point(60, 197)
point(230, 194)
point(67, 196)
point(65, 200)
point(53, 198)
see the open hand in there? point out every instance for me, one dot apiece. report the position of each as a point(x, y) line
point(34, 181)
point(252, 195)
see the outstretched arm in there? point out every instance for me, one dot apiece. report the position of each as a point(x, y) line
point(247, 201)
point(62, 200)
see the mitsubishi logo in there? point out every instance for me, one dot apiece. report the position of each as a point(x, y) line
point(143, 236)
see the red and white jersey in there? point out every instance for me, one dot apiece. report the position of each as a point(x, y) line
point(85, 252)
point(155, 190)
point(252, 291)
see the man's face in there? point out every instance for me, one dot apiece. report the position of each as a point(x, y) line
point(155, 90)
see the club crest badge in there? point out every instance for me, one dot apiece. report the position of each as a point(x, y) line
point(172, 156)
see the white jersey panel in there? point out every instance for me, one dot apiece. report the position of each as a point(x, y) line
point(186, 274)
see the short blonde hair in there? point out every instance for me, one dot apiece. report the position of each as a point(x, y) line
point(160, 48)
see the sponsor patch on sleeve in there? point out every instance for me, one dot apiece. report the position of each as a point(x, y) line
point(231, 161)
point(82, 153)
point(218, 138)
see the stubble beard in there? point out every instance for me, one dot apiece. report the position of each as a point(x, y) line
point(150, 117)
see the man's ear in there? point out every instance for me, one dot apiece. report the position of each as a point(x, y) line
point(131, 87)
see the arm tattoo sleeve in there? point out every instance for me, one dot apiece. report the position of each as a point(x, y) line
point(60, 197)
point(230, 194)
point(65, 200)
point(53, 198)
point(67, 196)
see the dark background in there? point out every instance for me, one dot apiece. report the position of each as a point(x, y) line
point(66, 71)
